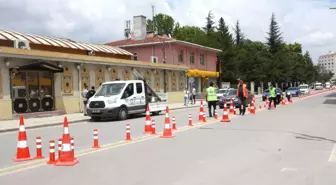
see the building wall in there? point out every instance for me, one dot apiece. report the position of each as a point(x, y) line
point(328, 62)
point(68, 98)
point(172, 51)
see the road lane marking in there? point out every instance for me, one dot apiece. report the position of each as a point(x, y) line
point(289, 169)
point(332, 154)
point(35, 164)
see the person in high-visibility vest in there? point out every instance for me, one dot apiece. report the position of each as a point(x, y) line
point(272, 97)
point(242, 94)
point(211, 98)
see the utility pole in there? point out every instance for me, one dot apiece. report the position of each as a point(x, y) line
point(153, 15)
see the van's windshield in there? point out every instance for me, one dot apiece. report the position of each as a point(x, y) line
point(110, 89)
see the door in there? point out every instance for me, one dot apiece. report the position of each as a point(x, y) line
point(140, 97)
point(130, 98)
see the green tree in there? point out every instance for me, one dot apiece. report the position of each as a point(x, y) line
point(209, 23)
point(239, 36)
point(274, 39)
point(163, 24)
point(224, 37)
point(191, 34)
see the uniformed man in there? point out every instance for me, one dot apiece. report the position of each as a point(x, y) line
point(272, 98)
point(242, 94)
point(211, 98)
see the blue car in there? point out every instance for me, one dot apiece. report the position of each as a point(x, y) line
point(294, 91)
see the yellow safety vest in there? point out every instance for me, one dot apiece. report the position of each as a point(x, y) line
point(211, 92)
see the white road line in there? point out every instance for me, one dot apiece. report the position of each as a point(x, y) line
point(332, 154)
point(289, 169)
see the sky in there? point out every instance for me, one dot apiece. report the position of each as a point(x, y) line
point(309, 22)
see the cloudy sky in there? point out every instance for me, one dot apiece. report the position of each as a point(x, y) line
point(309, 22)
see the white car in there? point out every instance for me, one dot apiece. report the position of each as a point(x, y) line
point(304, 88)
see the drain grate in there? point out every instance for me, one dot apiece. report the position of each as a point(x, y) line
point(330, 101)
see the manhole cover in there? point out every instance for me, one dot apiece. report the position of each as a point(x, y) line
point(330, 101)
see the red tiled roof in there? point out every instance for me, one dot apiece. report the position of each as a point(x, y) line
point(146, 40)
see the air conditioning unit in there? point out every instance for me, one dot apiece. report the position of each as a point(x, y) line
point(154, 59)
point(21, 44)
point(91, 53)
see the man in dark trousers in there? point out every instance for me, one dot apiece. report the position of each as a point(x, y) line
point(211, 98)
point(242, 94)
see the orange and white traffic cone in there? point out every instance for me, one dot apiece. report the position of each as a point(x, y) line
point(66, 158)
point(204, 118)
point(234, 112)
point(201, 112)
point(252, 109)
point(174, 123)
point(216, 115)
point(248, 108)
point(225, 117)
point(95, 139)
point(148, 125)
point(39, 148)
point(260, 107)
point(291, 99)
point(167, 132)
point(283, 101)
point(72, 141)
point(190, 121)
point(231, 107)
point(153, 128)
point(128, 132)
point(22, 152)
point(52, 157)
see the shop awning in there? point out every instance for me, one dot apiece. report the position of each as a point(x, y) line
point(40, 66)
point(200, 73)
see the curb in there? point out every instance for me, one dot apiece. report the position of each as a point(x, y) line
point(70, 122)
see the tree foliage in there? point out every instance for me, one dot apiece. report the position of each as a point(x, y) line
point(271, 60)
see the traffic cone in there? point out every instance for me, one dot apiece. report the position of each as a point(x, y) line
point(283, 101)
point(51, 152)
point(291, 99)
point(128, 132)
point(225, 117)
point(148, 125)
point(39, 148)
point(95, 139)
point(216, 115)
point(234, 113)
point(153, 128)
point(201, 112)
point(190, 121)
point(248, 108)
point(231, 107)
point(174, 123)
point(252, 109)
point(260, 107)
point(167, 132)
point(66, 158)
point(22, 152)
point(72, 141)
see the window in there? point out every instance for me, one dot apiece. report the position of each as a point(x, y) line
point(110, 89)
point(192, 58)
point(129, 91)
point(202, 58)
point(139, 88)
point(180, 56)
point(135, 56)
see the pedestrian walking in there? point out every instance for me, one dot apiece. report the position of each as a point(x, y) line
point(85, 100)
point(186, 96)
point(193, 94)
point(242, 95)
point(211, 98)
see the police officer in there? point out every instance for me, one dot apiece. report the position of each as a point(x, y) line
point(273, 95)
point(211, 98)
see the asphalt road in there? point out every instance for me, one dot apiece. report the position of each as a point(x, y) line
point(290, 145)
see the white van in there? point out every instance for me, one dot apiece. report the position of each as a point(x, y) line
point(119, 99)
point(327, 85)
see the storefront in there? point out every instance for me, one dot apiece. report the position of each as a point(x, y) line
point(201, 79)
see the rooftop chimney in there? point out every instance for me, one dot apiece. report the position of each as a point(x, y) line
point(139, 27)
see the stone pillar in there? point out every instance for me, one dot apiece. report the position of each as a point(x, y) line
point(252, 87)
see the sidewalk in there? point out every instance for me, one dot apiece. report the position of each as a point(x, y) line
point(12, 125)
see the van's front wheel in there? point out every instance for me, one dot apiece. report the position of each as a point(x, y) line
point(123, 113)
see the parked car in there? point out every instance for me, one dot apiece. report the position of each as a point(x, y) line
point(231, 94)
point(304, 89)
point(294, 91)
point(267, 94)
point(220, 93)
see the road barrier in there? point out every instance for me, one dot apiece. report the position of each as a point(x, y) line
point(66, 144)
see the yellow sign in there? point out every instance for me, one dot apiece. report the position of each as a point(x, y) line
point(203, 74)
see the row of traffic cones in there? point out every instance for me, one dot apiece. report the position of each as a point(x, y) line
point(66, 150)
